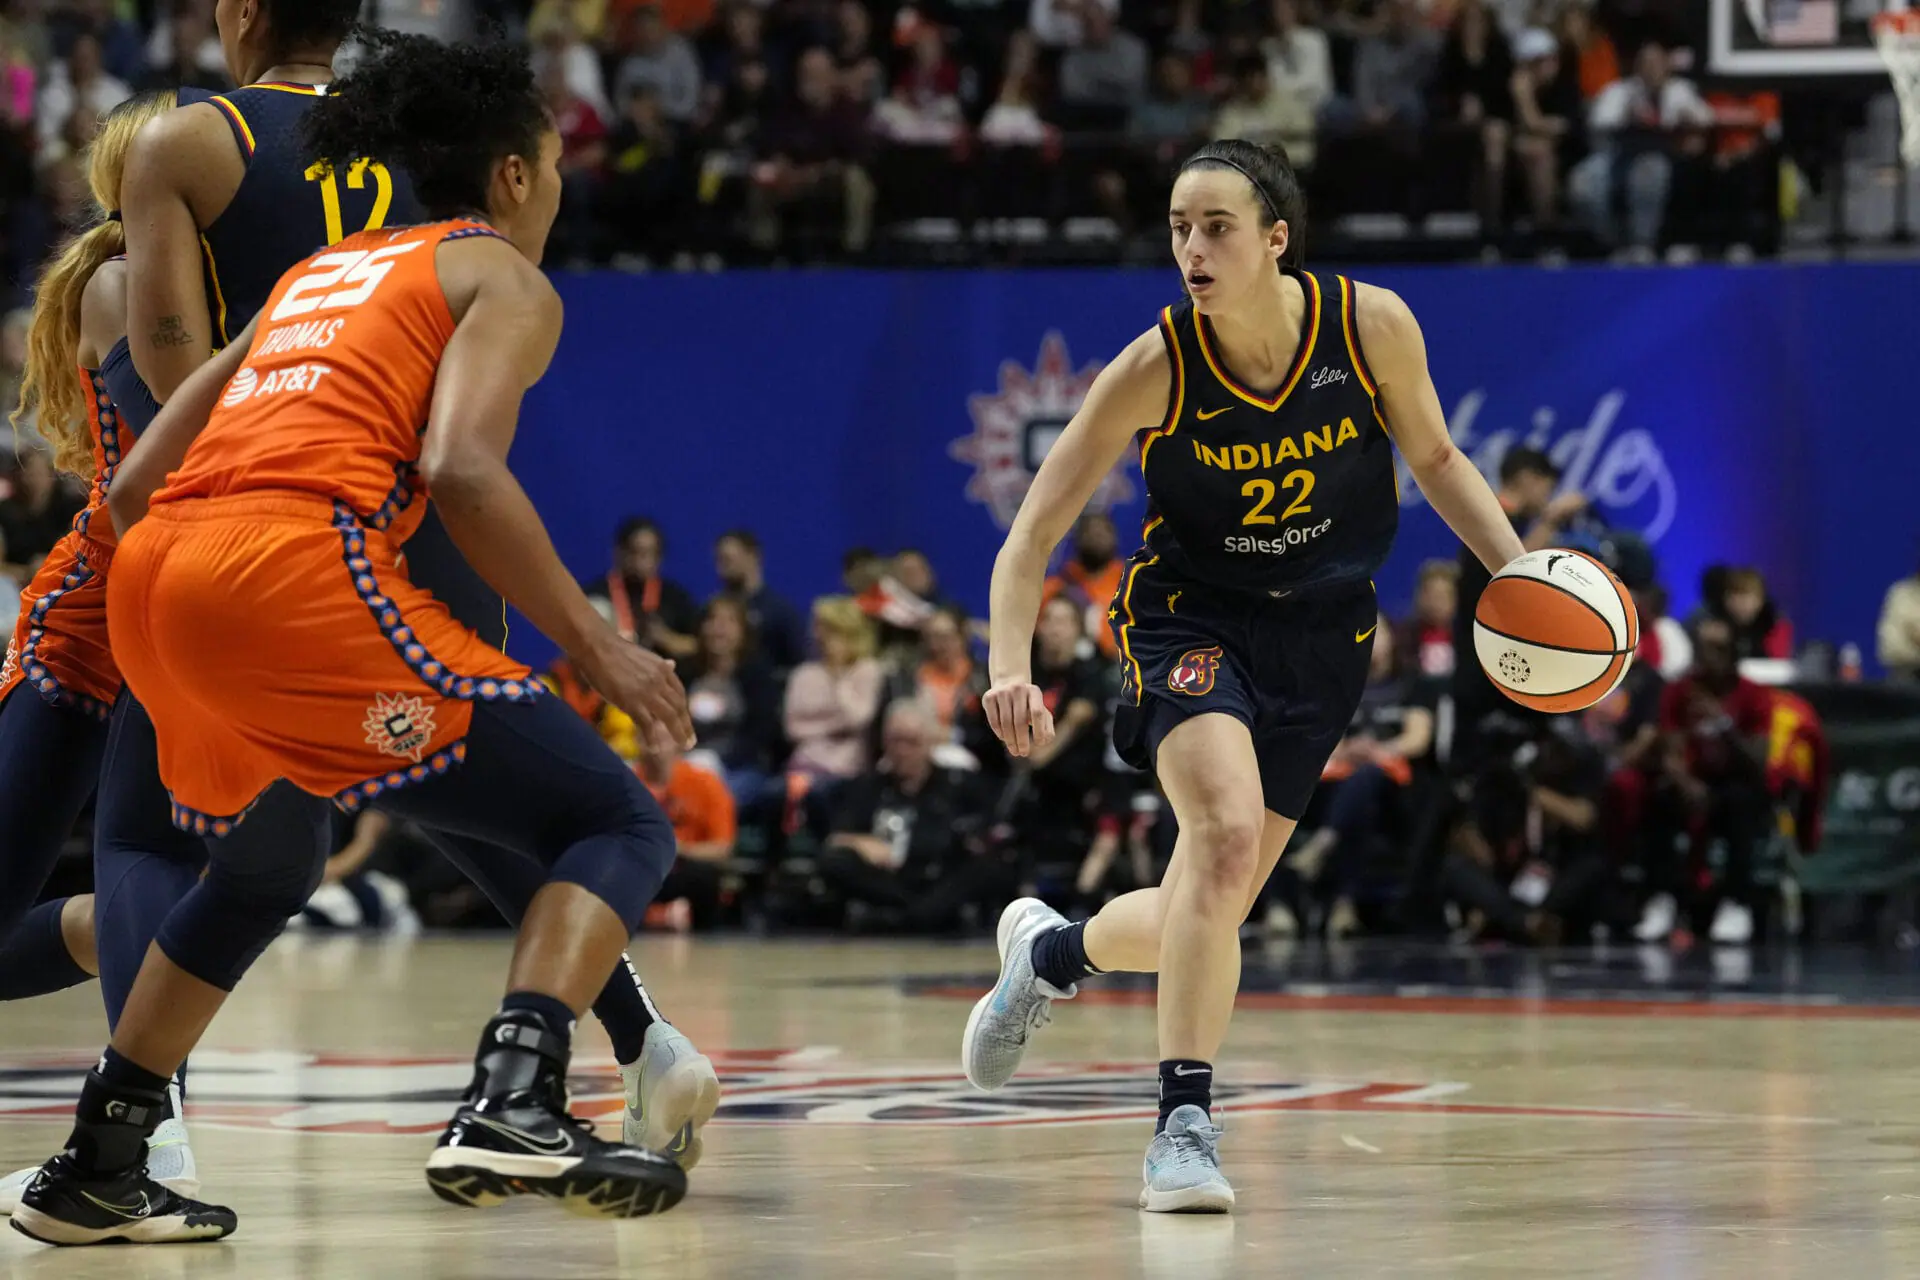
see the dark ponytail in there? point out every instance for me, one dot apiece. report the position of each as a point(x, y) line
point(445, 113)
point(1276, 187)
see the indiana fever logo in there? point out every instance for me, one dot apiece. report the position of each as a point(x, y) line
point(1195, 671)
point(1014, 428)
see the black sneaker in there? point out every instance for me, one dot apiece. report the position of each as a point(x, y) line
point(513, 1136)
point(522, 1144)
point(62, 1207)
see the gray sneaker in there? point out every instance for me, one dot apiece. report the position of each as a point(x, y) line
point(1182, 1168)
point(1019, 1004)
point(672, 1092)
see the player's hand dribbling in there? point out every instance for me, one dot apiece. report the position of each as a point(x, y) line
point(1017, 713)
point(642, 684)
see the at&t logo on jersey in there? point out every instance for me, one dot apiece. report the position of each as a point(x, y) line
point(1014, 428)
point(1195, 672)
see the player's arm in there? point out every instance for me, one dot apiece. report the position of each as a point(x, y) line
point(1397, 354)
point(1130, 393)
point(163, 446)
point(169, 327)
point(508, 327)
point(103, 312)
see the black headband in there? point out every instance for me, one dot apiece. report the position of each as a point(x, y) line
point(1266, 201)
point(113, 215)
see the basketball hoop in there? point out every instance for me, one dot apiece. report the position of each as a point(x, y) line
point(1896, 33)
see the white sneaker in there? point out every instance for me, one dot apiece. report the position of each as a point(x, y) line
point(1732, 923)
point(672, 1091)
point(1005, 1018)
point(1182, 1168)
point(169, 1161)
point(1656, 922)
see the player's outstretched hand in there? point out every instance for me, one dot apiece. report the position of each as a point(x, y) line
point(1017, 712)
point(642, 684)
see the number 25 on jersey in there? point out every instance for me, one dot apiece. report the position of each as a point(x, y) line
point(346, 278)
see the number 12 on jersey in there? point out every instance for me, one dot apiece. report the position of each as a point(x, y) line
point(322, 173)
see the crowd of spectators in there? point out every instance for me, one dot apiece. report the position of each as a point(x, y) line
point(705, 131)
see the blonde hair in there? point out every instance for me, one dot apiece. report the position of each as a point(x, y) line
point(842, 616)
point(48, 385)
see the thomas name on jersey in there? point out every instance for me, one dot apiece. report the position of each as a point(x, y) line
point(299, 337)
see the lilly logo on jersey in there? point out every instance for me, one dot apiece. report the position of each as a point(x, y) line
point(1015, 427)
point(1620, 469)
point(1195, 672)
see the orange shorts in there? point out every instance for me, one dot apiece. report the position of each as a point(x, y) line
point(271, 635)
point(59, 645)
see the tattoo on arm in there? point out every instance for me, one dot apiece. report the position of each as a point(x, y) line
point(170, 332)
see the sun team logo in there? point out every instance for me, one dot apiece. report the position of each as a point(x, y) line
point(1195, 672)
point(399, 725)
point(1014, 428)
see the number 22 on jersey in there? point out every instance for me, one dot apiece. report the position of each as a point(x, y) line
point(1262, 492)
point(345, 278)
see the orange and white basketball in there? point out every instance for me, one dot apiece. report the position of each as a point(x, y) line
point(1555, 630)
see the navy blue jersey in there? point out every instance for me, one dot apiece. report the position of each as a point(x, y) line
point(1275, 492)
point(287, 207)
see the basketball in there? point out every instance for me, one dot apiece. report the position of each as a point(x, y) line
point(1555, 630)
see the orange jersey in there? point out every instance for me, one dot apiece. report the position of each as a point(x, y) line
point(334, 393)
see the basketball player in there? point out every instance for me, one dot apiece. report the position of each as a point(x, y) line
point(262, 612)
point(1244, 624)
point(220, 200)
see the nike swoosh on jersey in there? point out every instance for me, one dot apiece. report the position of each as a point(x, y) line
point(1361, 636)
point(1204, 414)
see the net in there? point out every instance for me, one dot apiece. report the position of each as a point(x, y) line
point(1897, 35)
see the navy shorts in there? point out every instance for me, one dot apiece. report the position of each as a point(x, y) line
point(1290, 668)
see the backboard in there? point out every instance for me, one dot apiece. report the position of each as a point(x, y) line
point(1794, 39)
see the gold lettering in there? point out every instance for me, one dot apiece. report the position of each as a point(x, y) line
point(1288, 449)
point(1245, 457)
point(1323, 437)
point(1347, 432)
point(1212, 457)
point(1266, 453)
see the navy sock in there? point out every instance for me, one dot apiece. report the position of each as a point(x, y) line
point(1184, 1082)
point(553, 1016)
point(1060, 956)
point(34, 958)
point(121, 1103)
point(626, 1011)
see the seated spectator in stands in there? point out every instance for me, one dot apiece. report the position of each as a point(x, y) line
point(78, 83)
point(586, 18)
point(924, 107)
point(1740, 208)
point(1665, 645)
point(1091, 576)
point(941, 673)
point(780, 634)
point(1062, 24)
point(1525, 862)
point(742, 108)
point(1055, 820)
point(647, 608)
point(662, 63)
point(811, 180)
point(1013, 120)
point(734, 699)
point(704, 828)
point(861, 570)
point(739, 38)
point(1760, 629)
point(644, 189)
point(1393, 70)
point(1897, 635)
point(1364, 787)
point(1259, 112)
point(184, 51)
point(1425, 640)
point(559, 44)
point(583, 153)
point(862, 77)
point(1635, 124)
point(1298, 60)
point(1549, 118)
point(831, 700)
point(905, 596)
point(1716, 724)
point(1174, 117)
point(1104, 75)
point(38, 510)
point(1588, 57)
point(902, 835)
point(119, 39)
point(1474, 86)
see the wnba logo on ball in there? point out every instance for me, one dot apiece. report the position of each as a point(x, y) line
point(1195, 671)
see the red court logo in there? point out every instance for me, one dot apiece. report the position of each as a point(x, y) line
point(1195, 671)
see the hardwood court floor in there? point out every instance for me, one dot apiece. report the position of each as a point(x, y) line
point(1438, 1115)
